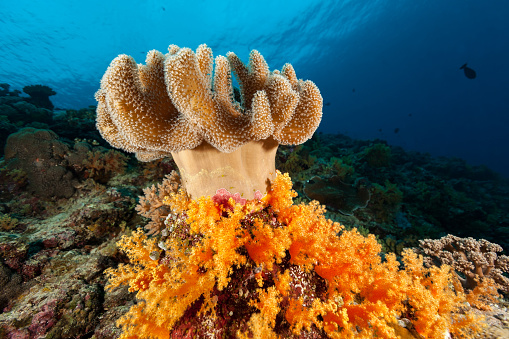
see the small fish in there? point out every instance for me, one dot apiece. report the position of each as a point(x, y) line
point(353, 90)
point(164, 9)
point(327, 104)
point(469, 73)
point(409, 114)
point(396, 130)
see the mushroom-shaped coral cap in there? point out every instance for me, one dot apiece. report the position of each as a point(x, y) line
point(134, 112)
point(39, 95)
point(180, 102)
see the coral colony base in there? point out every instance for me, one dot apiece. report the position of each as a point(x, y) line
point(253, 264)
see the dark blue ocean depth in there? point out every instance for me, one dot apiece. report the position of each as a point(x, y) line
point(386, 69)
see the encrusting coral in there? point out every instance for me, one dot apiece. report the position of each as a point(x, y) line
point(269, 268)
point(173, 105)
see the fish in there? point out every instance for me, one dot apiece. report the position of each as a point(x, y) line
point(396, 130)
point(469, 73)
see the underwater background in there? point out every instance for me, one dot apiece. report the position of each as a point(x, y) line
point(411, 152)
point(387, 70)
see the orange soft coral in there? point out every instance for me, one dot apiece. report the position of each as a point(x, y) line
point(271, 268)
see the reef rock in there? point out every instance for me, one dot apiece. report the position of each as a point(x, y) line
point(40, 154)
point(337, 195)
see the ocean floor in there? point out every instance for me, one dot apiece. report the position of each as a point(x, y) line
point(66, 199)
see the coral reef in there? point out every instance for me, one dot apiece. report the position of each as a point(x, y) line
point(385, 201)
point(151, 203)
point(88, 160)
point(55, 256)
point(5, 90)
point(51, 168)
point(377, 155)
point(154, 171)
point(102, 164)
point(271, 268)
point(72, 123)
point(16, 112)
point(11, 283)
point(52, 269)
point(40, 155)
point(480, 269)
point(7, 222)
point(340, 168)
point(295, 160)
point(267, 267)
point(172, 105)
point(39, 95)
point(19, 111)
point(12, 182)
point(337, 195)
point(416, 197)
point(6, 128)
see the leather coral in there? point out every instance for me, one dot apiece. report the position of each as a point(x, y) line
point(180, 102)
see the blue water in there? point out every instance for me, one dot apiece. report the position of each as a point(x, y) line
point(382, 66)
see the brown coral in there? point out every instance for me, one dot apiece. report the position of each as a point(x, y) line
point(39, 154)
point(173, 105)
point(135, 113)
point(7, 222)
point(151, 204)
point(480, 267)
point(101, 164)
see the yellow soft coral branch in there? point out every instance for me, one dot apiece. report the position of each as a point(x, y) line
point(222, 240)
point(281, 194)
point(178, 202)
point(268, 304)
point(301, 317)
point(139, 274)
point(362, 296)
point(260, 327)
point(261, 245)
